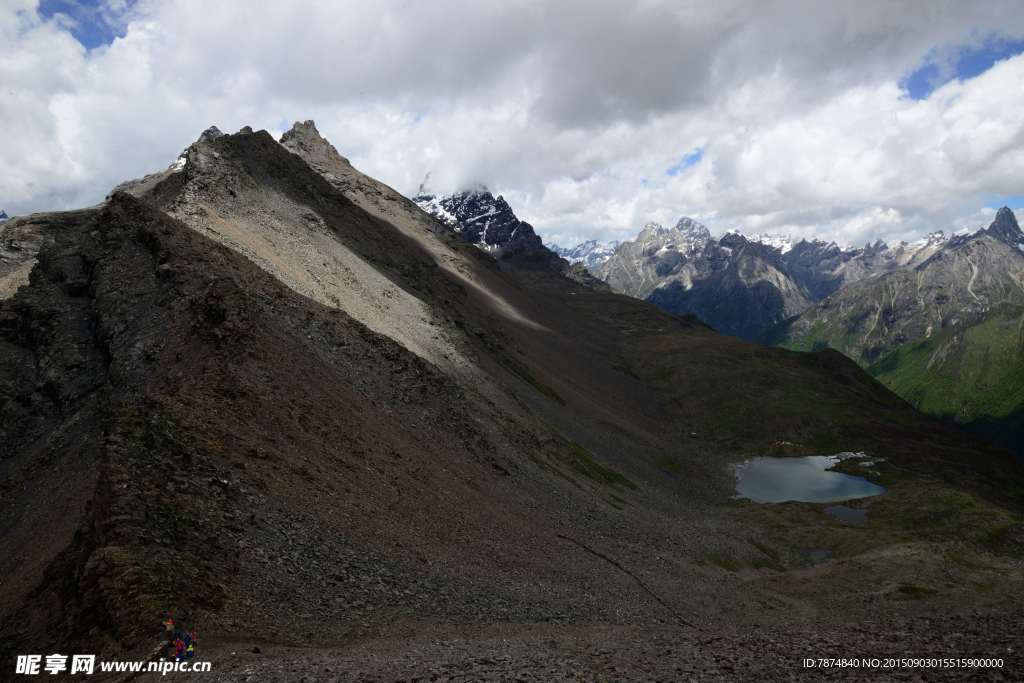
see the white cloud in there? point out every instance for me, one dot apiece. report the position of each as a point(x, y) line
point(573, 110)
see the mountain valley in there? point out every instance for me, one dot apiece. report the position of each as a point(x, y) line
point(935, 320)
point(349, 437)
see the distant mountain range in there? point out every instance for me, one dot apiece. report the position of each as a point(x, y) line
point(740, 284)
point(3, 215)
point(939, 320)
point(945, 332)
point(590, 253)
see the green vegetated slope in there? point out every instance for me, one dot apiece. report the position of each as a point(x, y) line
point(944, 335)
point(973, 375)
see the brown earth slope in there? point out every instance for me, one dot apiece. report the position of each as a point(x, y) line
point(327, 428)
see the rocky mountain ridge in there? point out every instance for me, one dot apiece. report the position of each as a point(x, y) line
point(776, 290)
point(947, 282)
point(265, 392)
point(744, 284)
point(943, 331)
point(489, 223)
point(590, 253)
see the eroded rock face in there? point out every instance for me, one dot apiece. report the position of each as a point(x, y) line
point(489, 223)
point(305, 140)
point(736, 285)
point(1005, 227)
point(746, 285)
point(590, 253)
point(959, 283)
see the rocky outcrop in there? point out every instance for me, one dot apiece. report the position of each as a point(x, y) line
point(590, 253)
point(489, 223)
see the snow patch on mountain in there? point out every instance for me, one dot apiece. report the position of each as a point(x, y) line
point(435, 207)
point(590, 253)
point(693, 234)
point(488, 222)
point(932, 239)
point(783, 243)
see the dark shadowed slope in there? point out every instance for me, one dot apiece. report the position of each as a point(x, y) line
point(308, 418)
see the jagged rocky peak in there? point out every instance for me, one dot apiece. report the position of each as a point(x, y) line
point(3, 215)
point(652, 229)
point(876, 248)
point(304, 139)
point(1005, 227)
point(210, 134)
point(692, 229)
point(686, 228)
point(686, 236)
point(489, 223)
point(590, 253)
point(784, 243)
point(482, 218)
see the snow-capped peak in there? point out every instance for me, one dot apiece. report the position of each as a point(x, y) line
point(781, 242)
point(590, 253)
point(692, 229)
point(480, 217)
point(932, 239)
point(434, 205)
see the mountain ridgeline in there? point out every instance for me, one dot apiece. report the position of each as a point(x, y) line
point(938, 320)
point(590, 253)
point(267, 393)
point(489, 223)
point(946, 333)
point(743, 285)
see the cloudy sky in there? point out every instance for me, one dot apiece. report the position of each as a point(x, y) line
point(846, 120)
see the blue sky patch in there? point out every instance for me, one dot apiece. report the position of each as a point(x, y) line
point(997, 201)
point(93, 23)
point(964, 62)
point(684, 163)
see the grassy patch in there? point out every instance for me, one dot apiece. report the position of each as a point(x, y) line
point(524, 373)
point(581, 461)
point(967, 374)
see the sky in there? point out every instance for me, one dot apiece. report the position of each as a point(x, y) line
point(846, 120)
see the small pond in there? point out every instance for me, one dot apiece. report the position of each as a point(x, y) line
point(807, 479)
point(848, 515)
